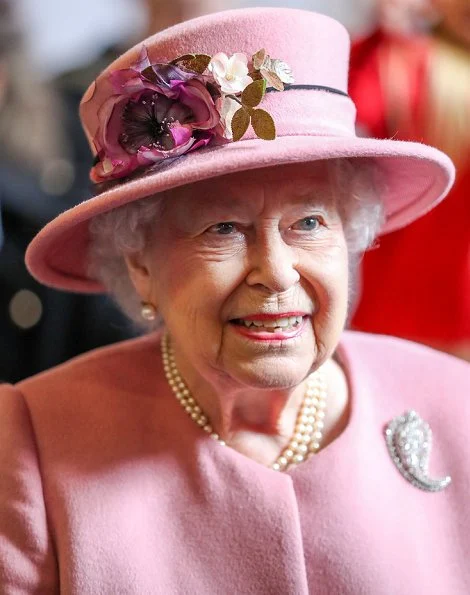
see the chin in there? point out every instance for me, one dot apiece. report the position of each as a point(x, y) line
point(270, 374)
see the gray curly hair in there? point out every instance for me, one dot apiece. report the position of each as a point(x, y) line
point(127, 229)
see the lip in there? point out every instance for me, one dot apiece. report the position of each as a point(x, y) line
point(276, 337)
point(272, 316)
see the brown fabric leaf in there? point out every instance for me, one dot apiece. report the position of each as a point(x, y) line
point(200, 63)
point(263, 124)
point(240, 123)
point(272, 79)
point(254, 93)
point(194, 62)
point(183, 59)
point(258, 59)
point(255, 75)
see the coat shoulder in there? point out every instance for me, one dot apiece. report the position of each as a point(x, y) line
point(392, 377)
point(401, 375)
point(118, 365)
point(387, 355)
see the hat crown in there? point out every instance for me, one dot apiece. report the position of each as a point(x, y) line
point(313, 117)
point(315, 47)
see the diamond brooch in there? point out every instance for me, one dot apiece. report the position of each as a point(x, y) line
point(409, 440)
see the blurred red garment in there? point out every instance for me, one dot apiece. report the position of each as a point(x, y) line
point(390, 83)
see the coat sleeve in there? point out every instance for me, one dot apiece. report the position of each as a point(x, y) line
point(27, 560)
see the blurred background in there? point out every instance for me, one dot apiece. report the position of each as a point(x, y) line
point(410, 78)
point(62, 34)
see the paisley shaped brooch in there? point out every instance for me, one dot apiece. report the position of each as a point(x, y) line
point(409, 440)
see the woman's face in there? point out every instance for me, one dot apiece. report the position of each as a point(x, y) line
point(455, 15)
point(250, 274)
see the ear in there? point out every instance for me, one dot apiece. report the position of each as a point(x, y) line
point(139, 274)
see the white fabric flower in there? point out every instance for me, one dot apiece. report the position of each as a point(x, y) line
point(282, 70)
point(227, 108)
point(231, 74)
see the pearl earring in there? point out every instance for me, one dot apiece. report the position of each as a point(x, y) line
point(148, 311)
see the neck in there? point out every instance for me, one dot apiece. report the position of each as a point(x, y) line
point(267, 412)
point(258, 422)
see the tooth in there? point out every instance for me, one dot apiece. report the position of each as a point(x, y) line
point(272, 325)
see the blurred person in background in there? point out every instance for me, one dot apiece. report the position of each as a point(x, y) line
point(39, 327)
point(410, 80)
point(160, 14)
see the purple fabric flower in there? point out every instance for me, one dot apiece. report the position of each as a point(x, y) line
point(157, 111)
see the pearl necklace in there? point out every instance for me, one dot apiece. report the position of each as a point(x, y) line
point(308, 433)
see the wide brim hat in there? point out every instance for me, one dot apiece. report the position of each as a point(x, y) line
point(314, 119)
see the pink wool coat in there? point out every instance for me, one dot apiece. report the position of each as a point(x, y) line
point(106, 486)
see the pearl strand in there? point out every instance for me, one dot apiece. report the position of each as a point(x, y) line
point(308, 433)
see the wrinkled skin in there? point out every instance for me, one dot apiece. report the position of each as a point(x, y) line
point(233, 247)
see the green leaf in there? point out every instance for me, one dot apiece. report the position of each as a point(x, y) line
point(263, 124)
point(254, 93)
point(240, 123)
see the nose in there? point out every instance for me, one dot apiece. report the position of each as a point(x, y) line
point(272, 263)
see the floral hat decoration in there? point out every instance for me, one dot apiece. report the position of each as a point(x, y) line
point(159, 111)
point(201, 100)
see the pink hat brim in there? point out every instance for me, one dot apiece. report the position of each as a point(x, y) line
point(415, 179)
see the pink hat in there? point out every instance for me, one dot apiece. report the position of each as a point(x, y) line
point(161, 115)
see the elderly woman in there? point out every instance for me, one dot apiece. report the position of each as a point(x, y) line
point(246, 444)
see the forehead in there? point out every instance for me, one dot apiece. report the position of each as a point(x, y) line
point(287, 184)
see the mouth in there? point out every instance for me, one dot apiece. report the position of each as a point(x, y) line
point(270, 324)
point(270, 327)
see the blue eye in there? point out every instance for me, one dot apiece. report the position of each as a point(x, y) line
point(224, 228)
point(307, 224)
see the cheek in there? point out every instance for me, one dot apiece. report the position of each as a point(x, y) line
point(328, 278)
point(327, 271)
point(192, 286)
